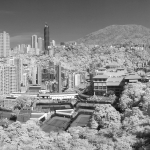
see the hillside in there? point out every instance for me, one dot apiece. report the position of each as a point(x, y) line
point(131, 49)
point(118, 34)
point(80, 57)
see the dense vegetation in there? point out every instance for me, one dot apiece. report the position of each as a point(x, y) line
point(80, 57)
point(107, 129)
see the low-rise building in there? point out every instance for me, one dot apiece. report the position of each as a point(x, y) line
point(115, 84)
point(100, 86)
point(132, 78)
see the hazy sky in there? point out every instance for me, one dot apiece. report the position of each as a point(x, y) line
point(68, 19)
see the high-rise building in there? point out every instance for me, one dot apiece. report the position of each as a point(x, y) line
point(25, 82)
point(40, 44)
point(58, 78)
point(71, 81)
point(53, 43)
point(17, 62)
point(34, 41)
point(4, 44)
point(34, 75)
point(8, 79)
point(22, 48)
point(77, 80)
point(39, 75)
point(46, 38)
point(19, 72)
point(28, 48)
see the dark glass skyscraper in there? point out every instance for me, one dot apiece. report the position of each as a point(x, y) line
point(46, 38)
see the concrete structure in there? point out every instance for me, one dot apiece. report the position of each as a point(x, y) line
point(32, 51)
point(28, 48)
point(113, 80)
point(67, 112)
point(109, 80)
point(39, 75)
point(77, 80)
point(25, 82)
point(115, 84)
point(23, 49)
point(71, 81)
point(34, 41)
point(132, 78)
point(8, 79)
point(40, 44)
point(53, 43)
point(33, 90)
point(58, 78)
point(46, 38)
point(59, 96)
point(34, 75)
point(19, 72)
point(4, 44)
point(100, 86)
point(37, 51)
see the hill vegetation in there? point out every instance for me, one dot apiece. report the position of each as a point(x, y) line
point(107, 129)
point(118, 34)
point(125, 45)
point(81, 57)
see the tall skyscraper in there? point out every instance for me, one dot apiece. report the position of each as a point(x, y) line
point(46, 38)
point(4, 44)
point(40, 44)
point(34, 41)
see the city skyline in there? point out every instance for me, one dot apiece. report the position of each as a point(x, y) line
point(68, 20)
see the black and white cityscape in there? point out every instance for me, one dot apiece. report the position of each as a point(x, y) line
point(75, 75)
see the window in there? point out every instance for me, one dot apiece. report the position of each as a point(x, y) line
point(95, 87)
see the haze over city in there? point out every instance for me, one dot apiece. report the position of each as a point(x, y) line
point(68, 19)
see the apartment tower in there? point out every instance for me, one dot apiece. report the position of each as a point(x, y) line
point(40, 44)
point(58, 78)
point(4, 44)
point(34, 41)
point(8, 79)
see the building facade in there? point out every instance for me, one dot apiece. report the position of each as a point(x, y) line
point(8, 79)
point(4, 44)
point(100, 84)
point(40, 44)
point(34, 41)
point(46, 38)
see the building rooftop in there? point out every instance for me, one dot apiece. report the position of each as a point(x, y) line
point(101, 69)
point(115, 74)
point(100, 77)
point(63, 93)
point(114, 81)
point(132, 77)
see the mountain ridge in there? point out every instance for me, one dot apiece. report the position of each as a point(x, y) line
point(118, 34)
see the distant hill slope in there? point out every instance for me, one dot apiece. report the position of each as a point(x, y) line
point(118, 34)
